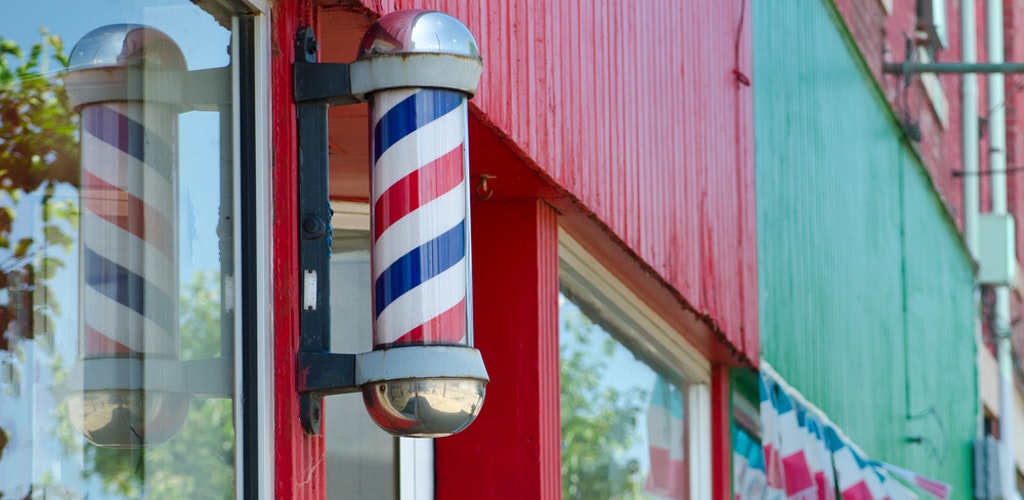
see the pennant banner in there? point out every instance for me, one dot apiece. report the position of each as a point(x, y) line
point(804, 458)
point(937, 489)
point(770, 439)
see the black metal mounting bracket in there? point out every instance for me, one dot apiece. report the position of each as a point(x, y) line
point(318, 86)
point(909, 67)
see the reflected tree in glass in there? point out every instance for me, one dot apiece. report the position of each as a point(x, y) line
point(599, 422)
point(38, 154)
point(206, 442)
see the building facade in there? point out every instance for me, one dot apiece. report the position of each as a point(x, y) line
point(156, 287)
point(648, 291)
point(868, 306)
point(918, 184)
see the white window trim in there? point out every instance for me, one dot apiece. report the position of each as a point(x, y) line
point(933, 89)
point(655, 338)
point(263, 280)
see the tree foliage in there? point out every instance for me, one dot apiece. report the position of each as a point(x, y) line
point(599, 423)
point(38, 152)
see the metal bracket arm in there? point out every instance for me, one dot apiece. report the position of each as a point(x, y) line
point(959, 68)
point(328, 83)
point(318, 86)
point(325, 374)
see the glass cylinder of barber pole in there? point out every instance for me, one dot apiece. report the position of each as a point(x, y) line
point(421, 272)
point(128, 234)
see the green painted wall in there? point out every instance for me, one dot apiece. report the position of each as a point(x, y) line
point(866, 292)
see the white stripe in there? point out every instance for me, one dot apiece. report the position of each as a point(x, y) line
point(419, 148)
point(790, 433)
point(383, 101)
point(420, 226)
point(769, 424)
point(847, 471)
point(874, 482)
point(126, 326)
point(130, 252)
point(664, 431)
point(422, 303)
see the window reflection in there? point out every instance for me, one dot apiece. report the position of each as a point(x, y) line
point(361, 458)
point(43, 237)
point(623, 432)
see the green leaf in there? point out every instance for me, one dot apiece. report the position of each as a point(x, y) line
point(48, 268)
point(56, 236)
point(23, 247)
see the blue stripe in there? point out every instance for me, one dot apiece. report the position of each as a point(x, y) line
point(130, 136)
point(128, 289)
point(420, 265)
point(414, 112)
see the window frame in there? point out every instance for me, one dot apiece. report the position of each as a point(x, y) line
point(648, 334)
point(253, 356)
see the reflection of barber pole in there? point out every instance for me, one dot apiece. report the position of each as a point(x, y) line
point(420, 218)
point(129, 264)
point(128, 234)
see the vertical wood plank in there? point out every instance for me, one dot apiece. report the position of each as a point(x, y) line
point(512, 449)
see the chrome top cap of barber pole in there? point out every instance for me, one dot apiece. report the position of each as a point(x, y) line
point(126, 45)
point(418, 32)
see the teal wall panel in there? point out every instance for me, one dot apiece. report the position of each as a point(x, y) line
point(866, 291)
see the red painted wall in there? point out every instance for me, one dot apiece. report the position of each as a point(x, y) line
point(880, 36)
point(298, 458)
point(512, 450)
point(635, 125)
point(637, 116)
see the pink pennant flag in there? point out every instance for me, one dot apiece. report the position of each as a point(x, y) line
point(770, 438)
point(937, 489)
point(800, 484)
point(818, 455)
point(849, 471)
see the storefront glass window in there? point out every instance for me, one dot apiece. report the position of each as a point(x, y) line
point(360, 456)
point(363, 461)
point(623, 422)
point(117, 250)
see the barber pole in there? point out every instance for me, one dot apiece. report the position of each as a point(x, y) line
point(420, 218)
point(416, 69)
point(129, 264)
point(129, 244)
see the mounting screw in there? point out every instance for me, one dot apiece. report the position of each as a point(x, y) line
point(313, 226)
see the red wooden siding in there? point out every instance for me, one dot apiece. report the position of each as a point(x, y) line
point(298, 458)
point(512, 450)
point(637, 114)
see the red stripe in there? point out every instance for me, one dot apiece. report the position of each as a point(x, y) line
point(417, 189)
point(448, 327)
point(97, 343)
point(939, 489)
point(127, 212)
point(666, 475)
point(858, 491)
point(797, 474)
point(826, 491)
